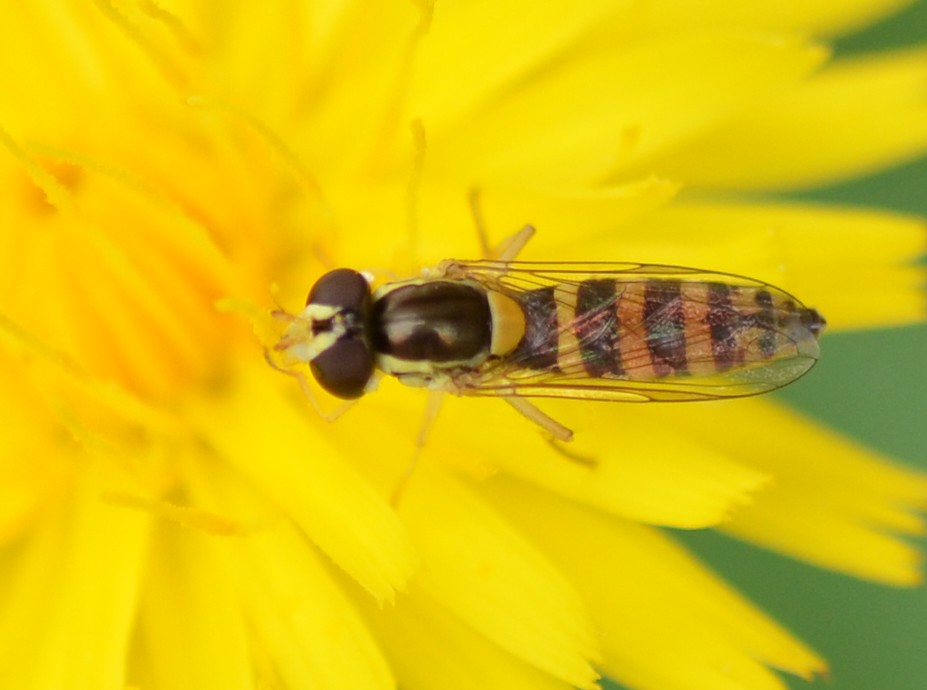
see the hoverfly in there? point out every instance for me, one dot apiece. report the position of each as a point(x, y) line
point(591, 331)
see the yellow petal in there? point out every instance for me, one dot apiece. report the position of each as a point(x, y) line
point(833, 503)
point(70, 625)
point(858, 267)
point(620, 461)
point(431, 648)
point(33, 465)
point(447, 85)
point(282, 448)
point(65, 29)
point(192, 631)
point(239, 42)
point(652, 601)
point(497, 583)
point(308, 633)
point(304, 631)
point(604, 112)
point(856, 117)
point(346, 121)
point(823, 16)
point(793, 521)
point(480, 569)
point(640, 469)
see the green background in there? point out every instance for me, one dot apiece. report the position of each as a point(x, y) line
point(873, 387)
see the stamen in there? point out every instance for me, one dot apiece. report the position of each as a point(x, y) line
point(167, 67)
point(415, 182)
point(273, 141)
point(230, 305)
point(476, 212)
point(32, 351)
point(57, 195)
point(427, 10)
point(393, 113)
point(265, 325)
point(194, 233)
point(185, 516)
point(184, 37)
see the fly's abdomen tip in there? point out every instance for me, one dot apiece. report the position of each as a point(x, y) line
point(813, 320)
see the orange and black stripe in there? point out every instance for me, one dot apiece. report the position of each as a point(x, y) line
point(596, 326)
point(646, 330)
point(665, 326)
point(765, 319)
point(722, 320)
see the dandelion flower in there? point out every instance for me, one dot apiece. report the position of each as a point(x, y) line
point(175, 515)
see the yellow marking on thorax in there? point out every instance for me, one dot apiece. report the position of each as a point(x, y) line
point(508, 323)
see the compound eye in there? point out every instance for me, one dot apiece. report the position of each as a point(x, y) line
point(342, 288)
point(344, 368)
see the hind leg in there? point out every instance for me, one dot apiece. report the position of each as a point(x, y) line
point(432, 407)
point(534, 414)
point(506, 250)
point(511, 247)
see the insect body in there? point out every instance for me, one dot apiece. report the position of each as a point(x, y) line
point(594, 331)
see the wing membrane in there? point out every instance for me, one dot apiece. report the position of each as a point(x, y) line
point(647, 333)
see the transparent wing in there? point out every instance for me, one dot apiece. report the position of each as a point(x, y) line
point(642, 332)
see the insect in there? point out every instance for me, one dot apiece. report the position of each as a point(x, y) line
point(591, 331)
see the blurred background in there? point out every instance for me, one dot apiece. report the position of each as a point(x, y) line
point(874, 637)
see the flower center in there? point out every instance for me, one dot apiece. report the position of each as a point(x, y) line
point(113, 278)
point(35, 201)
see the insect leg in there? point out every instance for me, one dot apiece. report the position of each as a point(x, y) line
point(549, 424)
point(307, 391)
point(435, 397)
point(506, 250)
point(585, 460)
point(511, 247)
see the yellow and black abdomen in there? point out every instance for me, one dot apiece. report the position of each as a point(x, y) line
point(644, 330)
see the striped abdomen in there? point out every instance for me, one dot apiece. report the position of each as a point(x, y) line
point(650, 329)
